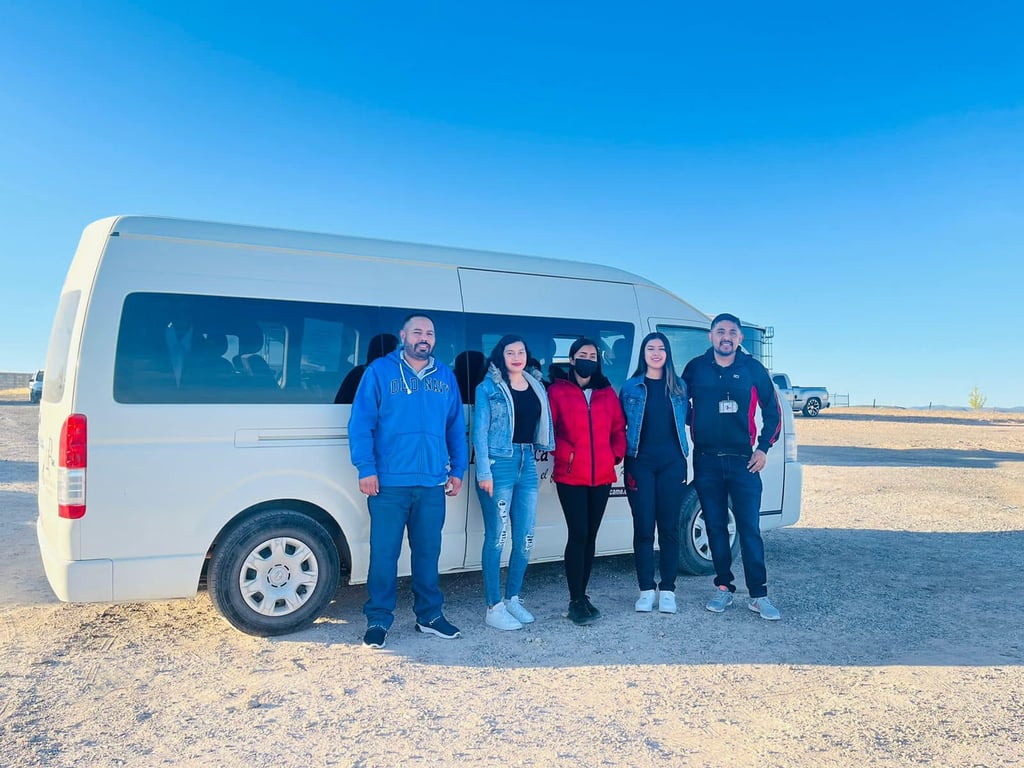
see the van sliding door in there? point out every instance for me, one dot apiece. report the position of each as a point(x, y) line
point(550, 313)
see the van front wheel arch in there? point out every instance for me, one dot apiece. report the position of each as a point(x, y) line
point(275, 573)
point(694, 549)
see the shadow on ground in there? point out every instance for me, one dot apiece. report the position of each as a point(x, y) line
point(18, 471)
point(848, 597)
point(856, 456)
point(918, 417)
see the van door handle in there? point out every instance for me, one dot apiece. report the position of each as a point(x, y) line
point(295, 437)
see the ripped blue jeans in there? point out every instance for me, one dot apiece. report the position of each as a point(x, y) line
point(512, 510)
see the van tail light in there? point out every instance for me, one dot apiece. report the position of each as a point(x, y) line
point(791, 445)
point(71, 467)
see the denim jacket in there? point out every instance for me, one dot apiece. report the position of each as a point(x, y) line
point(634, 398)
point(493, 417)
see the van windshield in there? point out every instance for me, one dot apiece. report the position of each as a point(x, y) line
point(60, 346)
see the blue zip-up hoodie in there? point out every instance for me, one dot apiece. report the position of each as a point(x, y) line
point(407, 427)
point(494, 419)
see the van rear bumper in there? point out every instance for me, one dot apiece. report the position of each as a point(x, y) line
point(76, 581)
point(106, 581)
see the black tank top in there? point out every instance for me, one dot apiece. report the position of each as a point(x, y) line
point(527, 408)
point(658, 433)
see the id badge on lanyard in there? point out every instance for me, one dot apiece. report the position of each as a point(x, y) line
point(728, 405)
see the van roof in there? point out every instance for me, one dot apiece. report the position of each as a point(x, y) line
point(293, 240)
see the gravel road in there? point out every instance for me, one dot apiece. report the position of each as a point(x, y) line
point(902, 642)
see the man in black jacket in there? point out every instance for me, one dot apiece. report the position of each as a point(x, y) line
point(726, 385)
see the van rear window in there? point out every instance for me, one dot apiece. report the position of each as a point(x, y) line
point(60, 347)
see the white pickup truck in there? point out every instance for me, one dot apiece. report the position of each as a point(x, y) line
point(806, 400)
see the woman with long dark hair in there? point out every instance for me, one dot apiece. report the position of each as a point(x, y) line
point(590, 440)
point(511, 419)
point(656, 403)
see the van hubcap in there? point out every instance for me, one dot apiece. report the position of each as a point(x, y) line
point(699, 535)
point(278, 576)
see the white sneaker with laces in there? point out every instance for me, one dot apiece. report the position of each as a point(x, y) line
point(518, 610)
point(645, 603)
point(499, 618)
point(666, 602)
point(764, 606)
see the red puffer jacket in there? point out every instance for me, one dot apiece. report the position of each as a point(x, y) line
point(589, 440)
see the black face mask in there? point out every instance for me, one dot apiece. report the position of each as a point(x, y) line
point(584, 368)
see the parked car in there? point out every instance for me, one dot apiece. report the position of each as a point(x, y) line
point(35, 387)
point(807, 400)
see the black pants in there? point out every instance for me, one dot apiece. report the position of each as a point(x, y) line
point(654, 486)
point(583, 507)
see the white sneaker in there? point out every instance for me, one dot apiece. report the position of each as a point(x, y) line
point(499, 618)
point(645, 603)
point(666, 602)
point(517, 609)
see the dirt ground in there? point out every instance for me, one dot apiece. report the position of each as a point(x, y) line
point(902, 642)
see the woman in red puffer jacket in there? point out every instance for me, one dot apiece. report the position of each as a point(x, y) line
point(590, 440)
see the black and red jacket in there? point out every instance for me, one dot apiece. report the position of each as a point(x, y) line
point(746, 382)
point(589, 438)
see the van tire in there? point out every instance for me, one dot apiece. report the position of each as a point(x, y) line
point(812, 407)
point(694, 552)
point(281, 552)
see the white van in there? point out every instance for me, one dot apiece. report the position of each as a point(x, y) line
point(193, 418)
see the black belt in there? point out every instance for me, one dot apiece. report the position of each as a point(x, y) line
point(714, 452)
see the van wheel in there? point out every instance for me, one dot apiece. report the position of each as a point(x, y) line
point(812, 407)
point(274, 574)
point(694, 550)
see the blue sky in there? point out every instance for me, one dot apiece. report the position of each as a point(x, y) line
point(849, 174)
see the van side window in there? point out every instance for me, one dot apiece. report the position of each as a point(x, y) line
point(687, 343)
point(176, 348)
point(548, 340)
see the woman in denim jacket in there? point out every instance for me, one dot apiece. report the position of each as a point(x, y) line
point(656, 403)
point(512, 418)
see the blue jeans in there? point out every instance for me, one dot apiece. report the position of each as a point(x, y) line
point(654, 487)
point(718, 479)
point(514, 502)
point(421, 510)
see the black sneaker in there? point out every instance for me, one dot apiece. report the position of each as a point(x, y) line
point(594, 613)
point(375, 637)
point(579, 613)
point(440, 627)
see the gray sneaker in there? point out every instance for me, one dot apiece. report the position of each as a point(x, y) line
point(764, 606)
point(721, 601)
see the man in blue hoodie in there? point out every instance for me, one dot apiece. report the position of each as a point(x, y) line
point(407, 438)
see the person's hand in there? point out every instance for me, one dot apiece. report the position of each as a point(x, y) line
point(487, 486)
point(757, 461)
point(369, 486)
point(453, 486)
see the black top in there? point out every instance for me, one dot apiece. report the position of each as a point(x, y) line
point(658, 433)
point(527, 411)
